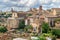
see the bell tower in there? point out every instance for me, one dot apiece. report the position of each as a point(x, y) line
point(40, 8)
point(14, 13)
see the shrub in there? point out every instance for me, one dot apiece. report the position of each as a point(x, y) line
point(3, 29)
point(29, 14)
point(56, 32)
point(21, 24)
point(58, 19)
point(42, 38)
point(45, 27)
point(54, 37)
point(34, 34)
point(28, 28)
point(44, 35)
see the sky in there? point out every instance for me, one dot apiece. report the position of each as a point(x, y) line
point(24, 5)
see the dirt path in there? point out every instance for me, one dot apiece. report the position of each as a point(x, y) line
point(57, 39)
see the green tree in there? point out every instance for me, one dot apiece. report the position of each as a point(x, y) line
point(3, 29)
point(45, 27)
point(28, 28)
point(56, 32)
point(29, 14)
point(21, 24)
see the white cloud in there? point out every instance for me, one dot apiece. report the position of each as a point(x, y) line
point(55, 0)
point(23, 1)
point(30, 3)
point(20, 9)
point(44, 1)
point(2, 6)
point(5, 0)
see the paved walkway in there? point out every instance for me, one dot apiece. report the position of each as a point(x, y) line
point(19, 39)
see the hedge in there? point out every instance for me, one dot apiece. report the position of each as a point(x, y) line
point(56, 32)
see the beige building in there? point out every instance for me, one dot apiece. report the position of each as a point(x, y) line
point(34, 17)
point(13, 22)
point(39, 15)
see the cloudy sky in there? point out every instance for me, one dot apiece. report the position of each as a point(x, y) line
point(26, 4)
